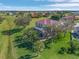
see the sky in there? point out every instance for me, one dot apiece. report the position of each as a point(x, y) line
point(39, 5)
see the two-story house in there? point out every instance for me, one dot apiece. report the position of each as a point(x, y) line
point(43, 26)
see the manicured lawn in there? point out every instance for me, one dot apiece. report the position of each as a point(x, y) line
point(21, 51)
point(6, 44)
point(52, 53)
point(7, 47)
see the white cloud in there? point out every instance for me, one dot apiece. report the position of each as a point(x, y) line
point(51, 7)
point(74, 0)
point(38, 0)
point(63, 0)
point(51, 0)
point(65, 5)
point(57, 0)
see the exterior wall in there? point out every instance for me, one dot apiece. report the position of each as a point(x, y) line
point(43, 33)
point(76, 30)
point(39, 25)
point(46, 32)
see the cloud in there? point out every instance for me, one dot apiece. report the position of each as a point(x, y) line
point(50, 7)
point(74, 1)
point(57, 0)
point(38, 0)
point(50, 0)
point(64, 5)
point(63, 0)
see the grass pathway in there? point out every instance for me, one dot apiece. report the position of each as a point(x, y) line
point(3, 51)
point(21, 51)
point(7, 50)
point(11, 52)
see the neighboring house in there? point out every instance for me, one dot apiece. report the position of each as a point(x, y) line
point(34, 15)
point(76, 14)
point(46, 22)
point(42, 26)
point(68, 18)
point(67, 21)
point(77, 17)
point(45, 14)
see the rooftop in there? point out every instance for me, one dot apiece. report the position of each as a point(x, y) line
point(47, 22)
point(69, 17)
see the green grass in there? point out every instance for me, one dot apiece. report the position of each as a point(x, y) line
point(51, 53)
point(22, 51)
point(6, 53)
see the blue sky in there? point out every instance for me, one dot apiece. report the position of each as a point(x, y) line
point(39, 5)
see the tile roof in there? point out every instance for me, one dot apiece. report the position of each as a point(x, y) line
point(69, 17)
point(47, 22)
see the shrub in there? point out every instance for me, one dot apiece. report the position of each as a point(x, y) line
point(62, 50)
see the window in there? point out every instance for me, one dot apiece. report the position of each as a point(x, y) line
point(40, 25)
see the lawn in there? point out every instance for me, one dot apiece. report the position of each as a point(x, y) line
point(8, 51)
point(6, 45)
point(23, 51)
point(52, 53)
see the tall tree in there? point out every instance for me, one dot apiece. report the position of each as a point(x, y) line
point(29, 39)
point(22, 20)
point(1, 19)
